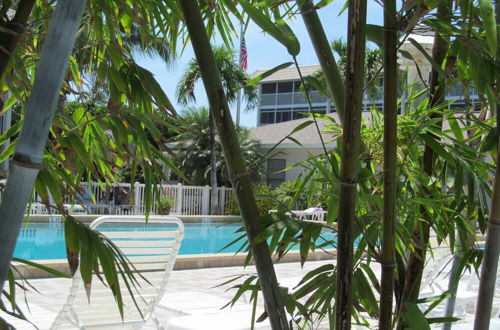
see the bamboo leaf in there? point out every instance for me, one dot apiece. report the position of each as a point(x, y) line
point(71, 237)
point(13, 130)
point(364, 292)
point(295, 141)
point(489, 23)
point(437, 148)
point(455, 128)
point(301, 126)
point(414, 317)
point(284, 35)
point(490, 141)
point(86, 259)
point(49, 270)
point(8, 151)
point(375, 33)
point(108, 267)
point(269, 72)
point(435, 66)
point(432, 320)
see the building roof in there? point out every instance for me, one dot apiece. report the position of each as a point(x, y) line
point(289, 73)
point(269, 135)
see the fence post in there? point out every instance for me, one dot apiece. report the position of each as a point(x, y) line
point(205, 200)
point(222, 200)
point(178, 202)
point(136, 194)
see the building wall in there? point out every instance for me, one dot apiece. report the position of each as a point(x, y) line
point(293, 156)
point(282, 101)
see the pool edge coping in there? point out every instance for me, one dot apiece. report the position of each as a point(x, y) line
point(183, 262)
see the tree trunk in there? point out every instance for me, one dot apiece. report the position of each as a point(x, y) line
point(214, 196)
point(390, 152)
point(416, 259)
point(334, 80)
point(356, 35)
point(492, 247)
point(42, 102)
point(12, 31)
point(238, 171)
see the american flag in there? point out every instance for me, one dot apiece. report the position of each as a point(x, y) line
point(243, 55)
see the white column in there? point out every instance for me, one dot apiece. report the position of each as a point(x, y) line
point(178, 202)
point(137, 195)
point(222, 200)
point(205, 200)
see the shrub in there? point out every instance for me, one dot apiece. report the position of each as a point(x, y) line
point(265, 200)
point(164, 205)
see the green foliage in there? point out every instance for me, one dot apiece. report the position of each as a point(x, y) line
point(131, 102)
point(372, 69)
point(192, 151)
point(265, 200)
point(165, 204)
point(233, 79)
point(443, 196)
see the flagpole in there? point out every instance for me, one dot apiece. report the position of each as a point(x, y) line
point(238, 102)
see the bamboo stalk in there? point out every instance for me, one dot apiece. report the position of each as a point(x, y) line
point(356, 35)
point(458, 257)
point(492, 245)
point(421, 231)
point(238, 171)
point(27, 158)
point(334, 80)
point(12, 31)
point(390, 151)
point(490, 259)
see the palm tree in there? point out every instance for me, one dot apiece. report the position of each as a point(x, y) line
point(233, 79)
point(193, 153)
point(373, 63)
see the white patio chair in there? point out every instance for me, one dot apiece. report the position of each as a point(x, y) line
point(152, 250)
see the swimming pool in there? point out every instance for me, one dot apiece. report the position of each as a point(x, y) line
point(39, 241)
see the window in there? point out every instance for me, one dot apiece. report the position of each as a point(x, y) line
point(269, 88)
point(283, 115)
point(275, 174)
point(267, 117)
point(285, 87)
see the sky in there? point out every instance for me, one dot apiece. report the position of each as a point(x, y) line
point(264, 52)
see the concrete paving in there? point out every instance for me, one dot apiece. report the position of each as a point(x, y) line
point(196, 292)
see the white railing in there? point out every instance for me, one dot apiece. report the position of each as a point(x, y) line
point(189, 200)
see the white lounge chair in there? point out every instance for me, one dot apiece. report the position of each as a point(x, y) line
point(152, 251)
point(315, 214)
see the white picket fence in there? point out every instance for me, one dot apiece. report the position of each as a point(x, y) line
point(189, 200)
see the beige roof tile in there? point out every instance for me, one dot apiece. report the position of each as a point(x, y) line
point(289, 73)
point(273, 133)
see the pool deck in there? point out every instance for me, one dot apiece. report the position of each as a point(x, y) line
point(191, 292)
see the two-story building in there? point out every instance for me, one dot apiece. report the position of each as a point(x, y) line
point(282, 104)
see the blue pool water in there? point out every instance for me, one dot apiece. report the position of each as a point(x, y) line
point(46, 240)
